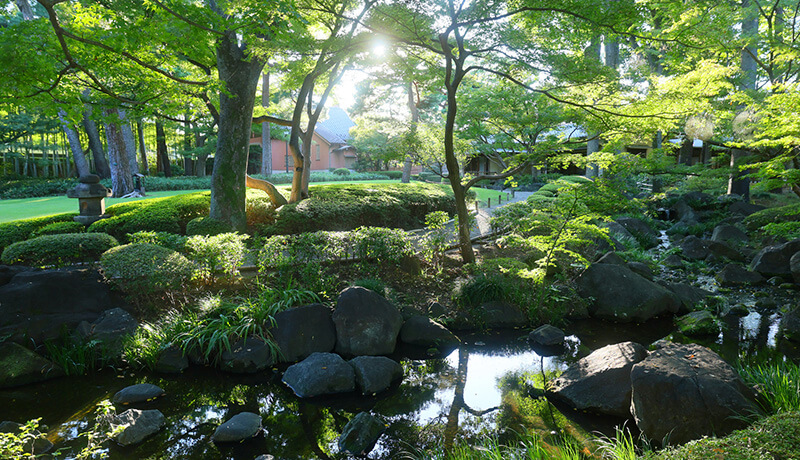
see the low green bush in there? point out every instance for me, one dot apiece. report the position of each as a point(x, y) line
point(348, 206)
point(341, 172)
point(21, 230)
point(58, 250)
point(373, 284)
point(787, 230)
point(57, 228)
point(322, 176)
point(777, 215)
point(167, 240)
point(217, 255)
point(143, 269)
point(170, 215)
point(482, 289)
point(260, 212)
point(207, 226)
point(393, 175)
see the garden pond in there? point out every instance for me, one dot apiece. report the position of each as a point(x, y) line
point(468, 392)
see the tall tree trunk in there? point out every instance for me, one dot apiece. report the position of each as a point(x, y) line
point(130, 141)
point(241, 73)
point(188, 162)
point(412, 107)
point(75, 145)
point(161, 149)
point(101, 166)
point(592, 52)
point(739, 183)
point(685, 152)
point(266, 141)
point(25, 9)
point(200, 161)
point(142, 149)
point(120, 165)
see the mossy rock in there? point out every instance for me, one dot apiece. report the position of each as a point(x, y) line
point(698, 324)
point(20, 366)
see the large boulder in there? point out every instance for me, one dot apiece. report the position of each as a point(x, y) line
point(241, 426)
point(794, 267)
point(424, 332)
point(110, 328)
point(744, 208)
point(9, 271)
point(790, 325)
point(698, 323)
point(693, 248)
point(300, 331)
point(375, 373)
point(600, 382)
point(172, 360)
point(646, 236)
point(684, 392)
point(20, 366)
point(689, 295)
point(501, 315)
point(366, 323)
point(38, 305)
point(247, 357)
point(736, 275)
point(320, 374)
point(139, 393)
point(728, 233)
point(622, 295)
point(775, 260)
point(360, 434)
point(721, 249)
point(136, 425)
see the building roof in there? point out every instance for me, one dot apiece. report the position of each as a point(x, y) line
point(336, 129)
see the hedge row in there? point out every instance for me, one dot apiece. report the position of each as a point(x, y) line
point(58, 250)
point(346, 207)
point(21, 230)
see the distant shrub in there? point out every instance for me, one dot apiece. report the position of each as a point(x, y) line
point(218, 254)
point(21, 230)
point(260, 212)
point(57, 228)
point(169, 215)
point(207, 226)
point(165, 239)
point(781, 214)
point(345, 207)
point(58, 250)
point(142, 269)
point(393, 175)
point(323, 176)
point(341, 172)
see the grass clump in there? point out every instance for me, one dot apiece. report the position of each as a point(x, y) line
point(778, 383)
point(58, 250)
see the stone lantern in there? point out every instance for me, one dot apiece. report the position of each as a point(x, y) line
point(91, 195)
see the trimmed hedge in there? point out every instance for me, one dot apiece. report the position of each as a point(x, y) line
point(170, 215)
point(393, 175)
point(207, 226)
point(59, 250)
point(58, 228)
point(21, 230)
point(349, 206)
point(142, 269)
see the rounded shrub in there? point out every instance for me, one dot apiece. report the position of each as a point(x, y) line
point(167, 240)
point(21, 230)
point(59, 250)
point(207, 226)
point(58, 228)
point(146, 268)
point(341, 172)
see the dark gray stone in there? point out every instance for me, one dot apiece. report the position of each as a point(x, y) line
point(501, 315)
point(38, 305)
point(425, 332)
point(247, 357)
point(375, 374)
point(641, 230)
point(172, 361)
point(366, 323)
point(685, 213)
point(241, 426)
point(641, 269)
point(600, 382)
point(360, 434)
point(622, 295)
point(790, 325)
point(737, 275)
point(684, 392)
point(698, 323)
point(689, 295)
point(794, 267)
point(20, 366)
point(436, 310)
point(110, 328)
point(610, 258)
point(743, 208)
point(9, 271)
point(673, 261)
point(547, 336)
point(304, 330)
point(693, 248)
point(137, 425)
point(138, 393)
point(698, 200)
point(320, 374)
point(723, 250)
point(775, 260)
point(728, 233)
point(618, 232)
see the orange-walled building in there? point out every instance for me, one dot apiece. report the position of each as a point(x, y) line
point(329, 148)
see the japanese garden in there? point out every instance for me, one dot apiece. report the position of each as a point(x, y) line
point(400, 229)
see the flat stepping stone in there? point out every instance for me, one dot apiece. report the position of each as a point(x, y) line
point(141, 392)
point(241, 426)
point(137, 425)
point(547, 335)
